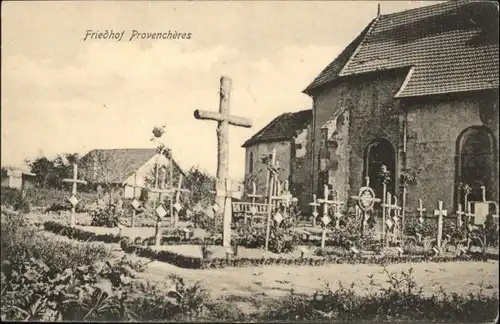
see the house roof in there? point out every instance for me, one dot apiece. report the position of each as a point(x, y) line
point(18, 170)
point(283, 127)
point(448, 47)
point(116, 165)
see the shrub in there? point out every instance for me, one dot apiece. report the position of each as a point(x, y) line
point(79, 234)
point(403, 300)
point(107, 215)
point(190, 262)
point(202, 220)
point(15, 198)
point(82, 282)
point(9, 196)
point(21, 242)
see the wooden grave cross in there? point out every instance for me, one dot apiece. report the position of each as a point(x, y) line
point(224, 119)
point(439, 213)
point(253, 196)
point(272, 167)
point(160, 211)
point(74, 199)
point(337, 203)
point(325, 219)
point(467, 191)
point(396, 218)
point(366, 199)
point(386, 211)
point(460, 214)
point(421, 211)
point(490, 202)
point(469, 214)
point(177, 206)
point(135, 203)
point(285, 197)
point(314, 204)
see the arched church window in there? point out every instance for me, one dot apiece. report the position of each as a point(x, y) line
point(250, 163)
point(476, 163)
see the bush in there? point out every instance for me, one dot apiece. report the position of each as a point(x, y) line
point(9, 196)
point(190, 262)
point(402, 301)
point(15, 198)
point(79, 234)
point(81, 282)
point(21, 242)
point(107, 215)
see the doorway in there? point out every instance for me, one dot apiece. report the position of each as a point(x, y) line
point(377, 154)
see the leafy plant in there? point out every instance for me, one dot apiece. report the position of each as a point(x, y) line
point(401, 300)
point(107, 215)
point(485, 235)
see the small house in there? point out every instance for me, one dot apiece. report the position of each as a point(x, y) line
point(18, 178)
point(129, 169)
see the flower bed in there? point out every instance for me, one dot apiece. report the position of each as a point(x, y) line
point(191, 262)
point(79, 234)
point(143, 247)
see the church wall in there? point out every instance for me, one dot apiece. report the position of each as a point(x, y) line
point(338, 174)
point(325, 105)
point(433, 130)
point(372, 114)
point(300, 172)
point(283, 154)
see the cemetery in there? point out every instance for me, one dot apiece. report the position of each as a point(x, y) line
point(140, 185)
point(267, 237)
point(269, 230)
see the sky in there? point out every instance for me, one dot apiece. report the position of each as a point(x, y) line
point(63, 94)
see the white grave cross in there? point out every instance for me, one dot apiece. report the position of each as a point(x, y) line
point(254, 194)
point(177, 206)
point(135, 203)
point(337, 205)
point(74, 199)
point(440, 212)
point(325, 219)
point(460, 214)
point(421, 211)
point(314, 204)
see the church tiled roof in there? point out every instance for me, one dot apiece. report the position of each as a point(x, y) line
point(283, 127)
point(448, 47)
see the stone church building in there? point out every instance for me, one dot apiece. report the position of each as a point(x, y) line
point(416, 91)
point(288, 134)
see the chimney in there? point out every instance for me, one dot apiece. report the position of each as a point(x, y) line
point(378, 10)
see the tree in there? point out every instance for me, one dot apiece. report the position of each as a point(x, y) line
point(200, 184)
point(50, 173)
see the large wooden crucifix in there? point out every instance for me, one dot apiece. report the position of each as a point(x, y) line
point(74, 199)
point(224, 119)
